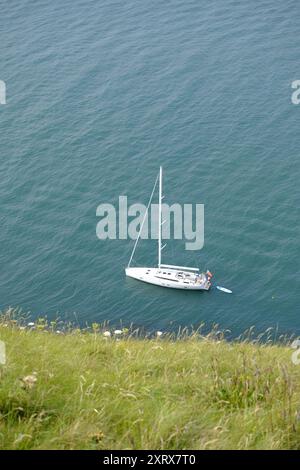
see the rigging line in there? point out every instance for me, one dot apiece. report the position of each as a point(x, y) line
point(142, 224)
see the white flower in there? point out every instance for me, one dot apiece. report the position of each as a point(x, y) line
point(29, 381)
point(22, 327)
point(159, 333)
point(118, 332)
point(107, 334)
point(31, 323)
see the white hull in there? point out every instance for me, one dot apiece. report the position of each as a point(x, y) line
point(171, 278)
point(174, 277)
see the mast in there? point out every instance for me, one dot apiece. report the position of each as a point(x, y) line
point(159, 216)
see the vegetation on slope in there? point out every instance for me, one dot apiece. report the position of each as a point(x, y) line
point(84, 390)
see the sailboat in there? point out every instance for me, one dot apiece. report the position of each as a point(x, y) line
point(167, 275)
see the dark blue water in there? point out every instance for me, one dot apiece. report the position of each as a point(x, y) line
point(99, 94)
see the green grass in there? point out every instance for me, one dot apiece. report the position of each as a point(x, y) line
point(187, 393)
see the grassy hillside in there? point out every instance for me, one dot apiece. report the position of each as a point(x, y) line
point(82, 390)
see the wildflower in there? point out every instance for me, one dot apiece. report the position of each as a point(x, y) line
point(31, 323)
point(107, 334)
point(159, 334)
point(118, 332)
point(97, 436)
point(29, 381)
point(22, 328)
